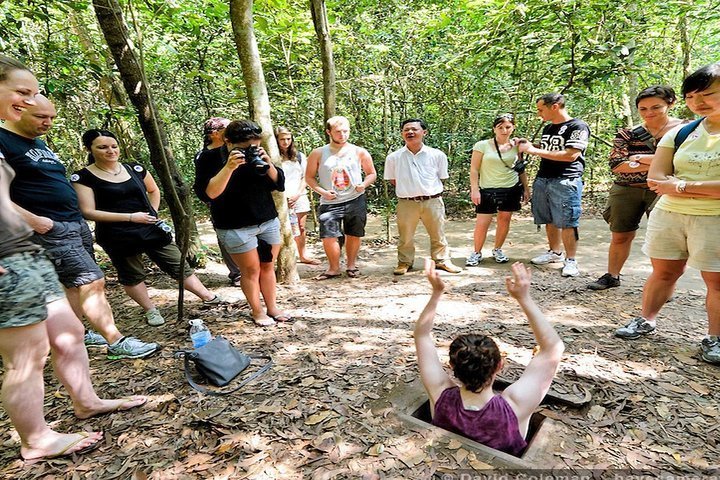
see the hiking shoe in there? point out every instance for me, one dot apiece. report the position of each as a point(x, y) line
point(216, 300)
point(570, 268)
point(710, 349)
point(499, 256)
point(154, 318)
point(604, 282)
point(448, 267)
point(94, 340)
point(548, 257)
point(637, 327)
point(402, 269)
point(474, 259)
point(236, 281)
point(131, 347)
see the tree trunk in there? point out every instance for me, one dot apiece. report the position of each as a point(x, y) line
point(241, 17)
point(322, 30)
point(177, 193)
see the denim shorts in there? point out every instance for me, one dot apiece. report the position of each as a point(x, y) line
point(347, 218)
point(556, 201)
point(242, 240)
point(27, 286)
point(69, 246)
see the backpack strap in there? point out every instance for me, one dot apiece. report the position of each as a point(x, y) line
point(685, 132)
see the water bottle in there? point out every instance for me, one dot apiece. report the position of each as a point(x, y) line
point(294, 227)
point(199, 333)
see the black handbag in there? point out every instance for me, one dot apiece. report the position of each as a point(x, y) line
point(219, 363)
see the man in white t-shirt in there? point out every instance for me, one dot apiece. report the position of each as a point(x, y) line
point(417, 172)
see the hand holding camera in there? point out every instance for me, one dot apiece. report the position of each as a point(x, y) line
point(254, 158)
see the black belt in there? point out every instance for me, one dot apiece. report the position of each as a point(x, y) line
point(422, 198)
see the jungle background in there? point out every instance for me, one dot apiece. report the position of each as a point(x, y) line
point(457, 64)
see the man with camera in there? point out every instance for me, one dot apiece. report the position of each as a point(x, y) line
point(237, 180)
point(335, 172)
point(48, 203)
point(557, 189)
point(417, 171)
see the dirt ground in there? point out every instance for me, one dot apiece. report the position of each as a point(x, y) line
point(654, 402)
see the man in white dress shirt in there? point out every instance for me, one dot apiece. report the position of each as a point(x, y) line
point(417, 172)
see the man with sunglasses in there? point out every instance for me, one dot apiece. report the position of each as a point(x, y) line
point(417, 171)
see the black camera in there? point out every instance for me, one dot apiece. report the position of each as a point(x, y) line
point(253, 158)
point(519, 166)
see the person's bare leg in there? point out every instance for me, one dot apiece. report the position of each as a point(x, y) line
point(569, 242)
point(331, 246)
point(620, 244)
point(268, 284)
point(90, 299)
point(554, 238)
point(502, 229)
point(660, 285)
point(70, 362)
point(249, 263)
point(352, 248)
point(194, 285)
point(712, 301)
point(301, 240)
point(139, 293)
point(24, 352)
point(482, 223)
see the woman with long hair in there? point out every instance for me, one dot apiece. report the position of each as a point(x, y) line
point(293, 164)
point(122, 199)
point(498, 184)
point(469, 406)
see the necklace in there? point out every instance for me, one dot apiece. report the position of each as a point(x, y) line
point(655, 135)
point(114, 174)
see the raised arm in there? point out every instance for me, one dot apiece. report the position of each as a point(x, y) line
point(526, 393)
point(432, 373)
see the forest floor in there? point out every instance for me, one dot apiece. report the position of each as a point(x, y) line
point(655, 404)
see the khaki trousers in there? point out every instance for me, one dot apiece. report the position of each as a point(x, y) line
point(432, 214)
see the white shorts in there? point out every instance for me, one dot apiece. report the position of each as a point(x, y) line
point(303, 204)
point(676, 236)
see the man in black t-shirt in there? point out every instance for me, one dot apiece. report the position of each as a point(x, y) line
point(557, 189)
point(45, 199)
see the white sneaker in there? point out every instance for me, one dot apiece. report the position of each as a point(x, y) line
point(499, 256)
point(570, 269)
point(548, 257)
point(474, 259)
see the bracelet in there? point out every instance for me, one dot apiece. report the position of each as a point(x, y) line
point(681, 186)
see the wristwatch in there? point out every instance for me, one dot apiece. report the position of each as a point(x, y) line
point(633, 164)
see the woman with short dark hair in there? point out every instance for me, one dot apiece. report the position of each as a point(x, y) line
point(472, 408)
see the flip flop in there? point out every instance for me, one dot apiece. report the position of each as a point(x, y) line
point(311, 261)
point(353, 272)
point(264, 322)
point(126, 403)
point(327, 276)
point(68, 449)
point(282, 317)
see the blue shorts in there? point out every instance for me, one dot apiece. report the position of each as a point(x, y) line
point(69, 246)
point(556, 201)
point(347, 218)
point(242, 240)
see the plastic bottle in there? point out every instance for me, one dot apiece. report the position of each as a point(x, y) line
point(199, 333)
point(294, 227)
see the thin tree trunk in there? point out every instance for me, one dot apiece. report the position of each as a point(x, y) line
point(241, 17)
point(177, 193)
point(322, 30)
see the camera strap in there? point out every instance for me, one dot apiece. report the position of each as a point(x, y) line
point(497, 149)
point(644, 135)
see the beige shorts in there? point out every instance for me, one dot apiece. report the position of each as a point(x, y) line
point(676, 236)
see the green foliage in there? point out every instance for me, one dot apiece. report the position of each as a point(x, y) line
point(456, 63)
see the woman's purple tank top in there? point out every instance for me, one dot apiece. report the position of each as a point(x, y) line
point(495, 425)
